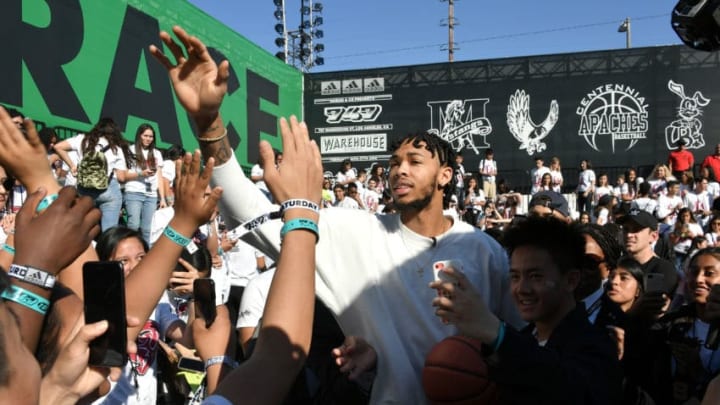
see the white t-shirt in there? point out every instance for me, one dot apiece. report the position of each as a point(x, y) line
point(557, 180)
point(145, 185)
point(714, 189)
point(586, 180)
point(683, 245)
point(477, 198)
point(488, 166)
point(371, 199)
point(242, 263)
point(253, 300)
point(658, 187)
point(667, 208)
point(646, 204)
point(347, 202)
point(536, 175)
point(115, 159)
point(602, 218)
point(161, 218)
point(348, 175)
point(257, 170)
point(70, 179)
point(168, 171)
point(601, 191)
point(712, 238)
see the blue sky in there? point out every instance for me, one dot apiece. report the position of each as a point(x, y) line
point(381, 33)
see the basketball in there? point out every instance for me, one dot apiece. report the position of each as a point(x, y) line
point(455, 373)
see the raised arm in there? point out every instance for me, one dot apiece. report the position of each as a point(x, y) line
point(287, 321)
point(200, 85)
point(147, 282)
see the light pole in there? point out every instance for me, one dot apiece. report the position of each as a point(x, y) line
point(299, 47)
point(625, 27)
point(451, 23)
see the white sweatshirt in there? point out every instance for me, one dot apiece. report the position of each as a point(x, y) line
point(373, 273)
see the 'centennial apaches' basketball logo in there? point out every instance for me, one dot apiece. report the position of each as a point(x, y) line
point(616, 111)
point(461, 122)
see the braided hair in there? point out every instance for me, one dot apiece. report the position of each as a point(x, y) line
point(606, 239)
point(435, 145)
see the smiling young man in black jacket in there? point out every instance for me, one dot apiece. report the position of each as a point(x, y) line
point(559, 358)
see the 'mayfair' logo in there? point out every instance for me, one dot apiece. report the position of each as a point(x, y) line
point(613, 111)
point(461, 122)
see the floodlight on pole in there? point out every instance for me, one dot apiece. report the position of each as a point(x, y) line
point(281, 29)
point(625, 27)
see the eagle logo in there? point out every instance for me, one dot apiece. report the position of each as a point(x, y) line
point(529, 134)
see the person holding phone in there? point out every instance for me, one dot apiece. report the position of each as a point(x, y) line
point(677, 356)
point(559, 357)
point(143, 185)
point(138, 383)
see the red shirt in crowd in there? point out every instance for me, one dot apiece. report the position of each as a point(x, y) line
point(713, 162)
point(681, 160)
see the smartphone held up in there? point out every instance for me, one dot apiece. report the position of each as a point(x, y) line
point(104, 291)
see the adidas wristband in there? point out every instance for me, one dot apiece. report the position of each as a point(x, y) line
point(32, 275)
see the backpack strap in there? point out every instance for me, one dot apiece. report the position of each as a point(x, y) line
point(112, 172)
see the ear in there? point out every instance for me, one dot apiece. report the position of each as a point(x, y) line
point(654, 236)
point(444, 176)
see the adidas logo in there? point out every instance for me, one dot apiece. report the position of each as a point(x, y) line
point(330, 88)
point(352, 86)
point(374, 85)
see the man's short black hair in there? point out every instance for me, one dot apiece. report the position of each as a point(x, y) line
point(564, 243)
point(436, 146)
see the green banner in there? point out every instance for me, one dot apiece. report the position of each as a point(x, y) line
point(68, 63)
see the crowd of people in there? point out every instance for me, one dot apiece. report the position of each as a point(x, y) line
point(324, 282)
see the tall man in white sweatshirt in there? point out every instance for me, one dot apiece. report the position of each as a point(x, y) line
point(384, 296)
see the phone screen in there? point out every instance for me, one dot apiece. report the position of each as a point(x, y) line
point(104, 290)
point(189, 364)
point(204, 294)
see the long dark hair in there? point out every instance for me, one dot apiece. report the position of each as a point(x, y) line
point(140, 160)
point(108, 129)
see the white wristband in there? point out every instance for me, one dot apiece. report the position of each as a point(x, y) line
point(220, 360)
point(32, 275)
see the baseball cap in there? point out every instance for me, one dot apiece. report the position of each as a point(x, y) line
point(552, 200)
point(640, 217)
